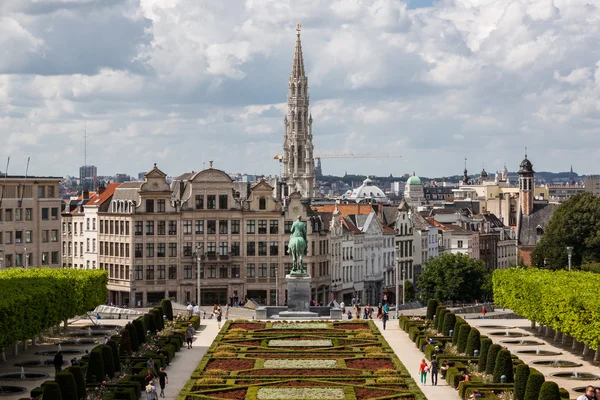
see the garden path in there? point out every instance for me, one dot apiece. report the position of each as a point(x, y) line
point(186, 361)
point(411, 357)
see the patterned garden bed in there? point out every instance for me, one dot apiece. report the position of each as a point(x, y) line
point(277, 361)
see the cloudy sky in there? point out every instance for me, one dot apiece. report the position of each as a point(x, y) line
point(179, 82)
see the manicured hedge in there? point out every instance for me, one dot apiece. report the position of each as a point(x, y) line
point(449, 321)
point(125, 343)
point(562, 300)
point(167, 307)
point(436, 320)
point(52, 391)
point(95, 366)
point(115, 353)
point(79, 380)
point(68, 387)
point(27, 293)
point(107, 360)
point(463, 335)
point(473, 342)
point(534, 384)
point(503, 367)
point(138, 324)
point(549, 391)
point(491, 358)
point(431, 306)
point(521, 375)
point(440, 319)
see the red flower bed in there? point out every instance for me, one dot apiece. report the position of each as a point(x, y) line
point(362, 393)
point(248, 326)
point(296, 355)
point(300, 372)
point(302, 384)
point(231, 394)
point(370, 364)
point(253, 343)
point(352, 327)
point(231, 364)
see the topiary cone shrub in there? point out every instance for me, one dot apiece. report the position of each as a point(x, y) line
point(463, 335)
point(95, 367)
point(68, 387)
point(456, 330)
point(107, 360)
point(161, 318)
point(437, 314)
point(52, 391)
point(534, 384)
point(449, 321)
point(549, 391)
point(483, 353)
point(115, 353)
point(521, 375)
point(473, 342)
point(564, 393)
point(125, 345)
point(138, 323)
point(490, 363)
point(79, 380)
point(440, 320)
point(167, 307)
point(135, 345)
point(503, 367)
point(149, 322)
point(431, 306)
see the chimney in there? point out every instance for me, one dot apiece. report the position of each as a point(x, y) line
point(85, 195)
point(101, 189)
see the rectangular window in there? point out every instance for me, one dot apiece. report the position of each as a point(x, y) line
point(101, 248)
point(149, 205)
point(211, 249)
point(235, 226)
point(139, 250)
point(54, 235)
point(18, 214)
point(235, 249)
point(223, 271)
point(172, 271)
point(161, 208)
point(250, 270)
point(199, 227)
point(223, 227)
point(251, 227)
point(45, 236)
point(94, 224)
point(187, 227)
point(287, 226)
point(199, 202)
point(139, 272)
point(235, 271)
point(161, 250)
point(94, 245)
point(223, 248)
point(274, 248)
point(211, 226)
point(127, 228)
point(54, 213)
point(285, 248)
point(18, 237)
point(138, 228)
point(262, 270)
point(172, 249)
point(187, 272)
point(273, 270)
point(223, 202)
point(149, 227)
point(212, 271)
point(161, 227)
point(161, 271)
point(262, 248)
point(211, 202)
point(41, 192)
point(112, 227)
point(172, 227)
point(149, 249)
point(87, 224)
point(87, 245)
point(51, 191)
point(460, 243)
point(9, 214)
point(262, 226)
point(54, 257)
point(19, 260)
point(187, 249)
point(127, 250)
point(149, 272)
point(250, 248)
point(274, 227)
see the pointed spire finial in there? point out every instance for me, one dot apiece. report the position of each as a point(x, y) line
point(298, 29)
point(525, 151)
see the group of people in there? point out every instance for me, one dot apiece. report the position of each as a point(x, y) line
point(383, 311)
point(151, 375)
point(433, 367)
point(591, 393)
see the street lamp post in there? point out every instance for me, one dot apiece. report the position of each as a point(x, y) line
point(26, 257)
point(570, 254)
point(403, 285)
point(199, 268)
point(277, 286)
point(397, 287)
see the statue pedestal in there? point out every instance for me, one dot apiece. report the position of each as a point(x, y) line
point(298, 287)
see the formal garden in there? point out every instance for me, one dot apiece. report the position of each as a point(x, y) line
point(300, 360)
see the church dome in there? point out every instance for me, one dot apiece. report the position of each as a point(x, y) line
point(413, 180)
point(366, 191)
point(484, 173)
point(526, 166)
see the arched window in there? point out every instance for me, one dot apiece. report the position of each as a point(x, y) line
point(539, 230)
point(262, 203)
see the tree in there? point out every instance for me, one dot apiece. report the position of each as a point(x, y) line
point(410, 293)
point(575, 223)
point(452, 277)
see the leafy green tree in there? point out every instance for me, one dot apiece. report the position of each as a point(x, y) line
point(410, 294)
point(452, 277)
point(576, 223)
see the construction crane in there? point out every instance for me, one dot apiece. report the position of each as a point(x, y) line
point(346, 155)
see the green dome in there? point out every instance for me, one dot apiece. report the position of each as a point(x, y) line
point(413, 180)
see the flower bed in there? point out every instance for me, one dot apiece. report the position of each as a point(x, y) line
point(247, 326)
point(291, 361)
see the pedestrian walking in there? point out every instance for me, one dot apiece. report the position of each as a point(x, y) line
point(57, 362)
point(423, 368)
point(151, 391)
point(190, 309)
point(379, 311)
point(163, 379)
point(189, 335)
point(435, 367)
point(483, 312)
point(227, 312)
point(385, 315)
point(219, 316)
point(197, 310)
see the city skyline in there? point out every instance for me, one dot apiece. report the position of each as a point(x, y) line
point(180, 85)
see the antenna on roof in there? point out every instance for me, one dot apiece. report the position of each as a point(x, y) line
point(24, 180)
point(5, 176)
point(85, 144)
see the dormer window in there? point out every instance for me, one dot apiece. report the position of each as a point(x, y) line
point(539, 230)
point(262, 203)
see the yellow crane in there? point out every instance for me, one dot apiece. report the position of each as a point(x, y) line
point(346, 155)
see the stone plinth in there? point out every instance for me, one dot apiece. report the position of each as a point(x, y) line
point(298, 287)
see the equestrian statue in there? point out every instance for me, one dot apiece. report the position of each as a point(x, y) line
point(297, 247)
